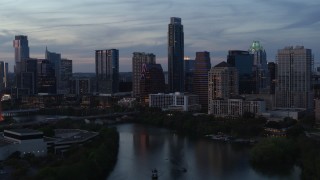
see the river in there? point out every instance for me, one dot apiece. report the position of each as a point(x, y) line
point(143, 148)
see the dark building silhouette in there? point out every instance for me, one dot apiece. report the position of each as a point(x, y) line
point(46, 79)
point(29, 76)
point(80, 86)
point(261, 73)
point(107, 71)
point(151, 82)
point(188, 74)
point(175, 55)
point(272, 72)
point(243, 61)
point(21, 53)
point(200, 81)
point(55, 61)
point(3, 76)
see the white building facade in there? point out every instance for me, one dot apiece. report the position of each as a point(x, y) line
point(175, 101)
point(236, 107)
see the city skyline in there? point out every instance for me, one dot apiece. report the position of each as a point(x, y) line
point(68, 28)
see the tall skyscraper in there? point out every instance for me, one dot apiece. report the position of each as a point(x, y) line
point(138, 59)
point(21, 53)
point(200, 82)
point(175, 55)
point(55, 60)
point(21, 47)
point(293, 88)
point(107, 71)
point(3, 75)
point(65, 76)
point(260, 72)
point(152, 81)
point(243, 61)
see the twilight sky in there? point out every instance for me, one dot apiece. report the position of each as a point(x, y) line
point(75, 28)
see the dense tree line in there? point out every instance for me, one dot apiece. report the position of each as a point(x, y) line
point(94, 160)
point(199, 125)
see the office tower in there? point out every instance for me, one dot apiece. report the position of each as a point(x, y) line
point(29, 76)
point(243, 61)
point(107, 71)
point(65, 76)
point(151, 82)
point(175, 55)
point(260, 72)
point(202, 67)
point(189, 66)
point(46, 79)
point(293, 88)
point(138, 59)
point(55, 60)
point(272, 74)
point(21, 53)
point(3, 75)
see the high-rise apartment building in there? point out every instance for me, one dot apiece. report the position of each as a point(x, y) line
point(138, 59)
point(243, 61)
point(260, 71)
point(200, 81)
point(107, 71)
point(151, 82)
point(175, 55)
point(3, 75)
point(222, 83)
point(293, 88)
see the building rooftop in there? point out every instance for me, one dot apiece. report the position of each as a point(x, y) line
point(23, 131)
point(222, 64)
point(67, 135)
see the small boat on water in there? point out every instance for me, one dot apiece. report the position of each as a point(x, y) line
point(154, 175)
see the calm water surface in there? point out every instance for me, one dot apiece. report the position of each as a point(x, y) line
point(143, 148)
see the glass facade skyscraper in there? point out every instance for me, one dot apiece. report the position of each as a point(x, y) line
point(21, 53)
point(175, 55)
point(243, 61)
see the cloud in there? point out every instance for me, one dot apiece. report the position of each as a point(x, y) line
point(77, 28)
